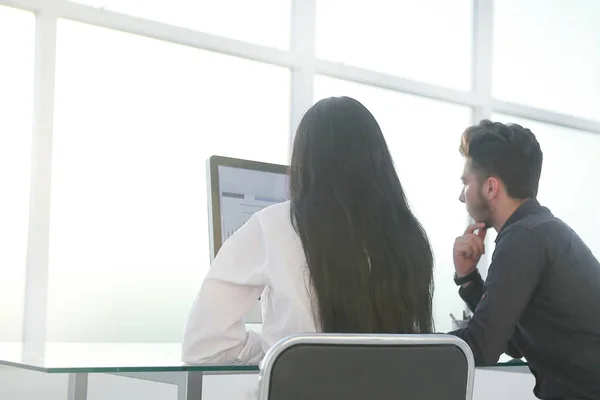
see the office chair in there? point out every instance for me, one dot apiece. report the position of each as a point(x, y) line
point(371, 367)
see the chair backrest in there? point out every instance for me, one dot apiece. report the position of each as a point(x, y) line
point(372, 367)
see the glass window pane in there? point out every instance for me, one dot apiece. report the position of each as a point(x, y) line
point(17, 41)
point(425, 152)
point(547, 54)
point(265, 22)
point(570, 173)
point(427, 40)
point(135, 121)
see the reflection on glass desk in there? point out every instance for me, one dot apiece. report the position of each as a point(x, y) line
point(159, 362)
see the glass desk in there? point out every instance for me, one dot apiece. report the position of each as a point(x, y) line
point(157, 362)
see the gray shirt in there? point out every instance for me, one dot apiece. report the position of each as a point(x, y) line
point(541, 301)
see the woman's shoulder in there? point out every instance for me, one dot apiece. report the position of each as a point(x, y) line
point(277, 231)
point(276, 214)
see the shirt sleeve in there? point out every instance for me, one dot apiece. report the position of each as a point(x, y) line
point(472, 293)
point(215, 331)
point(514, 273)
point(512, 350)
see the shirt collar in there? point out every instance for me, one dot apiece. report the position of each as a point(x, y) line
point(529, 207)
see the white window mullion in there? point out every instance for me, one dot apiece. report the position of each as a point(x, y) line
point(303, 40)
point(483, 19)
point(547, 116)
point(36, 290)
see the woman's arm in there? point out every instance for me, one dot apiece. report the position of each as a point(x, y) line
point(215, 331)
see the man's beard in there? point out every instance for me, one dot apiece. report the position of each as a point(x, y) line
point(482, 212)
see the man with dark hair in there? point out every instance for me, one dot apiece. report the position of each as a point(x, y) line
point(541, 298)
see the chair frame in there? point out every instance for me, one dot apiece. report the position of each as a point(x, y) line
point(267, 363)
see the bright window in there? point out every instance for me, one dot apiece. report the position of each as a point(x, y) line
point(425, 40)
point(547, 54)
point(17, 42)
point(136, 120)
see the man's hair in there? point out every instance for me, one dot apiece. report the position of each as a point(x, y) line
point(509, 152)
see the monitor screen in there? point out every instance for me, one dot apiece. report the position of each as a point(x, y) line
point(242, 192)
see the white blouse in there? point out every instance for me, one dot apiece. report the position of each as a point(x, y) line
point(263, 258)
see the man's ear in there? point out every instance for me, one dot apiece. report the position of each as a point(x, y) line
point(491, 188)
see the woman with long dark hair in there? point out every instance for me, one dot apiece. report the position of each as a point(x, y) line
point(344, 255)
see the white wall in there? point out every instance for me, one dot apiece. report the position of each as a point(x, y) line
point(28, 385)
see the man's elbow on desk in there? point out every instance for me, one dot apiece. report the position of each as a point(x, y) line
point(487, 358)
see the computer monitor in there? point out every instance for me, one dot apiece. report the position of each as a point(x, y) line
point(237, 189)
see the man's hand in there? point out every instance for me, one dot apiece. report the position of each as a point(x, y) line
point(468, 249)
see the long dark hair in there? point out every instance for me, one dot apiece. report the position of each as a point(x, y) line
point(369, 259)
